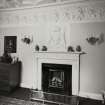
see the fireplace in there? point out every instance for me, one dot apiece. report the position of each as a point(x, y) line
point(57, 78)
point(54, 65)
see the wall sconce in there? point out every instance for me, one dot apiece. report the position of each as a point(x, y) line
point(92, 40)
point(27, 39)
point(96, 40)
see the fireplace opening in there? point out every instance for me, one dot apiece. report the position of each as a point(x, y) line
point(57, 78)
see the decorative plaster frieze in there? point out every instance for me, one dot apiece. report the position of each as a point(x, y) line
point(85, 13)
point(20, 3)
point(57, 14)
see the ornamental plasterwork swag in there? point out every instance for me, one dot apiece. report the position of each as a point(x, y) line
point(71, 14)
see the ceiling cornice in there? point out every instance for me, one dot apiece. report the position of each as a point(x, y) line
point(85, 12)
point(29, 4)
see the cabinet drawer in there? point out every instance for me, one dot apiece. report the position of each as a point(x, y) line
point(4, 82)
point(2, 71)
point(4, 76)
point(4, 86)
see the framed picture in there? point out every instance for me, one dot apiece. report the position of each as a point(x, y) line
point(10, 44)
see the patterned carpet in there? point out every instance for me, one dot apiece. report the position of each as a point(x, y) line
point(13, 101)
point(21, 96)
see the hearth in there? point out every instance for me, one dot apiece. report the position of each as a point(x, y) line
point(57, 78)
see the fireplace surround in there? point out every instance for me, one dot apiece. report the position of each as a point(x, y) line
point(64, 58)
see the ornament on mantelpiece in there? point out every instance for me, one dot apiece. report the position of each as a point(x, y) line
point(44, 48)
point(37, 48)
point(78, 48)
point(70, 49)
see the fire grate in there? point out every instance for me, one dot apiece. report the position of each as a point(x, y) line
point(57, 78)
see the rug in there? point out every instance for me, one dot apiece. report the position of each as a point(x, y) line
point(13, 101)
point(53, 98)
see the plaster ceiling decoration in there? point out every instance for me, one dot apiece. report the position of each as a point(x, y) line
point(22, 3)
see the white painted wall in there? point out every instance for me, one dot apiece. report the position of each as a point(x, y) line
point(92, 66)
point(43, 24)
point(24, 52)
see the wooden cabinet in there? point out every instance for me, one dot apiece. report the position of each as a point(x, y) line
point(9, 76)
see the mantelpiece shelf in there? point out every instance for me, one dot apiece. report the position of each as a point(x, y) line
point(60, 52)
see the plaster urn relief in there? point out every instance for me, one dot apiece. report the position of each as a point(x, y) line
point(57, 39)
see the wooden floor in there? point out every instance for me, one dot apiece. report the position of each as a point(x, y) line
point(23, 93)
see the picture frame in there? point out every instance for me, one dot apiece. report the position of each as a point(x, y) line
point(10, 44)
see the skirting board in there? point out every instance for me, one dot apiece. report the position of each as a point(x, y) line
point(90, 95)
point(26, 85)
